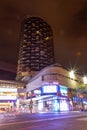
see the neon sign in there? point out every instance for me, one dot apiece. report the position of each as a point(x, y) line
point(63, 91)
point(49, 89)
point(8, 97)
point(8, 89)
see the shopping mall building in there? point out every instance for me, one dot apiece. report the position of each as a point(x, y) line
point(11, 94)
point(52, 89)
point(55, 88)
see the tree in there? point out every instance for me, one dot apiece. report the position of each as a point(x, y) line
point(81, 93)
point(81, 88)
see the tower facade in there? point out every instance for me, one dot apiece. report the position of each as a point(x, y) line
point(36, 47)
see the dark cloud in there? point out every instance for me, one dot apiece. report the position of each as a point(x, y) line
point(79, 23)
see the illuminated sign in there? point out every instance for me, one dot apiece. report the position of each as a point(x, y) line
point(49, 89)
point(8, 97)
point(37, 91)
point(63, 91)
point(8, 89)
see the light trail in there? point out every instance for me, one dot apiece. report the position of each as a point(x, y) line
point(40, 120)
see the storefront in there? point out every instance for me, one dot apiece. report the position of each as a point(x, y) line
point(57, 90)
point(10, 92)
point(51, 98)
point(8, 98)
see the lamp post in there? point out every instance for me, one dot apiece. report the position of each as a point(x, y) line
point(71, 74)
point(31, 105)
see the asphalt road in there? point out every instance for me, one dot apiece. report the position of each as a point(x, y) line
point(44, 121)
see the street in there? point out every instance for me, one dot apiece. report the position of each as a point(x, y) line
point(43, 121)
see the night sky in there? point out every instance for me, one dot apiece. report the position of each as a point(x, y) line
point(68, 19)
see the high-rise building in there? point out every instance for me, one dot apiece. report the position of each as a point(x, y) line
point(36, 47)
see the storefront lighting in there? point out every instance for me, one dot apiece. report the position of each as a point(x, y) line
point(85, 80)
point(8, 97)
point(40, 105)
point(8, 89)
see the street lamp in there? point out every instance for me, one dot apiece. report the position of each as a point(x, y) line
point(71, 74)
point(85, 80)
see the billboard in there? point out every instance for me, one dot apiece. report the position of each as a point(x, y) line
point(63, 91)
point(49, 89)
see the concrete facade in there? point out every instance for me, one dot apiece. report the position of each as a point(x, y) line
point(54, 74)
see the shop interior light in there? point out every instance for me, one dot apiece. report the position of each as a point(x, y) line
point(71, 73)
point(85, 80)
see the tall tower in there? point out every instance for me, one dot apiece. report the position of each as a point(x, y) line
point(36, 47)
